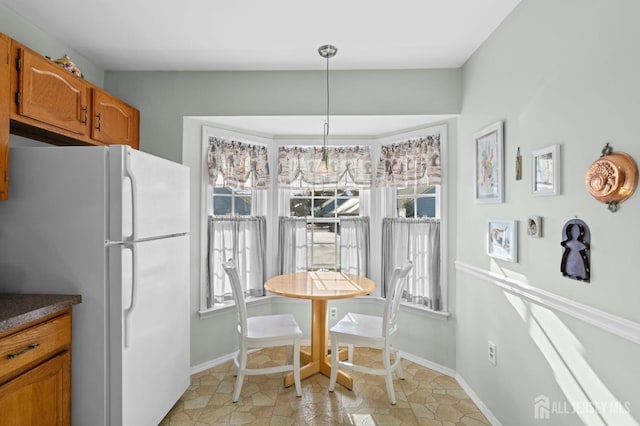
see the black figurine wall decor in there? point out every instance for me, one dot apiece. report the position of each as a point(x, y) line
point(576, 257)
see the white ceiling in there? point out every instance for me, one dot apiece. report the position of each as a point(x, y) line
point(273, 35)
point(267, 35)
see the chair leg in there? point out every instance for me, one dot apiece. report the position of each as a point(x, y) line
point(400, 371)
point(334, 364)
point(386, 361)
point(350, 352)
point(296, 367)
point(242, 365)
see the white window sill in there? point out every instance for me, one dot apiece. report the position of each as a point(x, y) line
point(440, 315)
point(224, 308)
point(221, 309)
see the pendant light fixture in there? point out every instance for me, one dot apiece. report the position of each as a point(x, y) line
point(327, 51)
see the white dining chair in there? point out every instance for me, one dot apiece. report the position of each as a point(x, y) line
point(373, 332)
point(264, 331)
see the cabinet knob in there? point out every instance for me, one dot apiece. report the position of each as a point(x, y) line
point(86, 112)
point(99, 117)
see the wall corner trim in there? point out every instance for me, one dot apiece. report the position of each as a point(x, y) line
point(611, 323)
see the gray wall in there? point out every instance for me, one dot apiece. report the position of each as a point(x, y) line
point(31, 36)
point(165, 97)
point(556, 73)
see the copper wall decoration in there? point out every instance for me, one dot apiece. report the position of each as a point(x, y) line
point(576, 257)
point(612, 178)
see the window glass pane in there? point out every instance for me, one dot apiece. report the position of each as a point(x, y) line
point(222, 201)
point(406, 207)
point(426, 189)
point(405, 191)
point(300, 192)
point(426, 207)
point(300, 207)
point(221, 191)
point(348, 207)
point(348, 192)
point(322, 250)
point(323, 207)
point(243, 205)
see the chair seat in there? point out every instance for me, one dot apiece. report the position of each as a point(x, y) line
point(374, 332)
point(360, 325)
point(268, 327)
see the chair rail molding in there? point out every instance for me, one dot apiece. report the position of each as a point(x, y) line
point(611, 323)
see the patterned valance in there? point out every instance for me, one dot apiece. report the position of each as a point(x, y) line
point(306, 162)
point(411, 163)
point(237, 164)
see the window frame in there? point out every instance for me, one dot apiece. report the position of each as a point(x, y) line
point(206, 205)
point(309, 192)
point(441, 206)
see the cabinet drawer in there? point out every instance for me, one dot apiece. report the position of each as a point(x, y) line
point(26, 348)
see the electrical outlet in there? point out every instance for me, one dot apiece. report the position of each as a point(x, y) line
point(333, 312)
point(491, 352)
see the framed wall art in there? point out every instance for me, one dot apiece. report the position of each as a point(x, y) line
point(489, 164)
point(502, 239)
point(534, 226)
point(545, 171)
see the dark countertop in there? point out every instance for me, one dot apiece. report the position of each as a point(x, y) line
point(19, 309)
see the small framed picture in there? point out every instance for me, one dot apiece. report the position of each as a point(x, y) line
point(534, 226)
point(545, 169)
point(489, 170)
point(502, 239)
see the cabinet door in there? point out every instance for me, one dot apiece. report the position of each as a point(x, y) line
point(52, 95)
point(40, 396)
point(114, 122)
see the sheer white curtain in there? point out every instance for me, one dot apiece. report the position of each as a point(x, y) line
point(354, 245)
point(243, 239)
point(417, 240)
point(292, 245)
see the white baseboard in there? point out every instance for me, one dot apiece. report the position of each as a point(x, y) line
point(212, 363)
point(429, 364)
point(409, 357)
point(483, 408)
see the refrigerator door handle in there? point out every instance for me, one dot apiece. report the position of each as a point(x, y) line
point(134, 293)
point(134, 196)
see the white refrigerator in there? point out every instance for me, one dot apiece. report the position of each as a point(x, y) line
point(110, 224)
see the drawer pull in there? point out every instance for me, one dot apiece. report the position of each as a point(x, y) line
point(27, 349)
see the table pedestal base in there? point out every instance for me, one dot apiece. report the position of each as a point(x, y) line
point(312, 367)
point(318, 361)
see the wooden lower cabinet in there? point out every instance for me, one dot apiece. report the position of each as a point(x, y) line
point(41, 396)
point(35, 373)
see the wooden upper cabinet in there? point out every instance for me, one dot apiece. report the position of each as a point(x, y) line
point(50, 94)
point(5, 113)
point(114, 121)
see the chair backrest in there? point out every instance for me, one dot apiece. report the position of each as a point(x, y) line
point(238, 295)
point(394, 295)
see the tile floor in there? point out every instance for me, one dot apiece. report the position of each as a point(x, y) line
point(425, 397)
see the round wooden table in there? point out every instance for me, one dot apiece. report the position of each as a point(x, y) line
point(319, 286)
